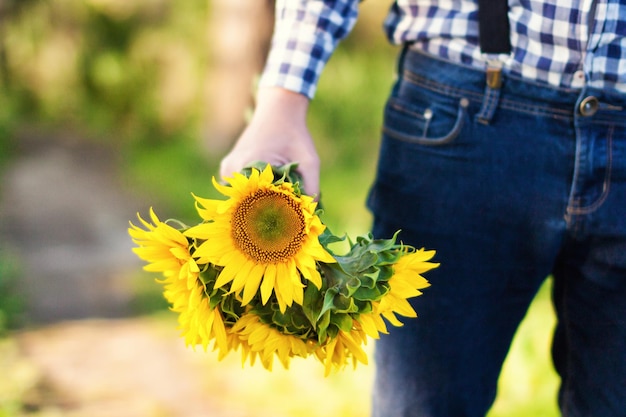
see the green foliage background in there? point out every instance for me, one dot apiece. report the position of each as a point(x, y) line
point(130, 74)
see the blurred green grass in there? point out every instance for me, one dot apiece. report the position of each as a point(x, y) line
point(115, 75)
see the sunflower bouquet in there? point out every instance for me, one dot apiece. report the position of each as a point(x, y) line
point(258, 274)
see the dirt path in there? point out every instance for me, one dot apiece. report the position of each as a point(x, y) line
point(63, 220)
point(115, 368)
point(141, 368)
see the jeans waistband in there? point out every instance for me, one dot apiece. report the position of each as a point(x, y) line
point(517, 93)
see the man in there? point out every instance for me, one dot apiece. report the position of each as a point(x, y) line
point(511, 164)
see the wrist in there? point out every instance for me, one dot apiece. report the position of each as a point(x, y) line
point(282, 103)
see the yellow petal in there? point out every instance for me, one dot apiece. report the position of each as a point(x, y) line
point(227, 274)
point(267, 285)
point(284, 286)
point(241, 277)
point(254, 280)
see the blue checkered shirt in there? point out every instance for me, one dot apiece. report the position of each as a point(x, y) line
point(560, 43)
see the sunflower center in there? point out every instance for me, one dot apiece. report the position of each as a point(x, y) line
point(268, 226)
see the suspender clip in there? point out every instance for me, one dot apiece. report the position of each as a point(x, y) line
point(494, 74)
point(491, 98)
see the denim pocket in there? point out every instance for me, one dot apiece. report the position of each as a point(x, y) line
point(425, 118)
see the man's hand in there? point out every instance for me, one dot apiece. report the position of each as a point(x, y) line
point(277, 134)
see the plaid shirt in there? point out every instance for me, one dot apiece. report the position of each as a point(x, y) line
point(561, 43)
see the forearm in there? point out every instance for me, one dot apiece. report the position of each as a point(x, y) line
point(277, 104)
point(305, 35)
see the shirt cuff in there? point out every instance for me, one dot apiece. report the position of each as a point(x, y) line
point(303, 44)
point(297, 65)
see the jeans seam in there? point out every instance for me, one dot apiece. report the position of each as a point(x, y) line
point(490, 104)
point(439, 87)
point(573, 208)
point(478, 97)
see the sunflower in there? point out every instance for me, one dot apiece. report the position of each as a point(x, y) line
point(258, 338)
point(335, 354)
point(198, 322)
point(406, 282)
point(372, 324)
point(256, 275)
point(265, 236)
point(165, 249)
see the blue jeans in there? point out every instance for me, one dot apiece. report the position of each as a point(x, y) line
point(509, 185)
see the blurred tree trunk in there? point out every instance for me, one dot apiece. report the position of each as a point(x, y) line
point(239, 37)
point(5, 9)
point(9, 9)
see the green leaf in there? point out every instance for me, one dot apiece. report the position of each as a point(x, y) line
point(299, 320)
point(352, 285)
point(231, 308)
point(363, 307)
point(371, 294)
point(327, 238)
point(385, 273)
point(379, 245)
point(331, 333)
point(322, 326)
point(280, 319)
point(342, 321)
point(368, 281)
point(334, 275)
point(208, 275)
point(329, 298)
point(357, 262)
point(343, 304)
point(312, 304)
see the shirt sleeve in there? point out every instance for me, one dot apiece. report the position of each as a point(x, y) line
point(306, 32)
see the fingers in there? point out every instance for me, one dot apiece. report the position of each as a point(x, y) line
point(278, 135)
point(310, 171)
point(308, 168)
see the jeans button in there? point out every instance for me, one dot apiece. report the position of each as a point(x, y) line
point(589, 106)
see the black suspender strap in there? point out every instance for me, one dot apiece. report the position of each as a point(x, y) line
point(493, 26)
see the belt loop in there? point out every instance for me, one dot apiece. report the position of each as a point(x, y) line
point(493, 84)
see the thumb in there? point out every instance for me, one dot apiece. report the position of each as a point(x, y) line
point(310, 172)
